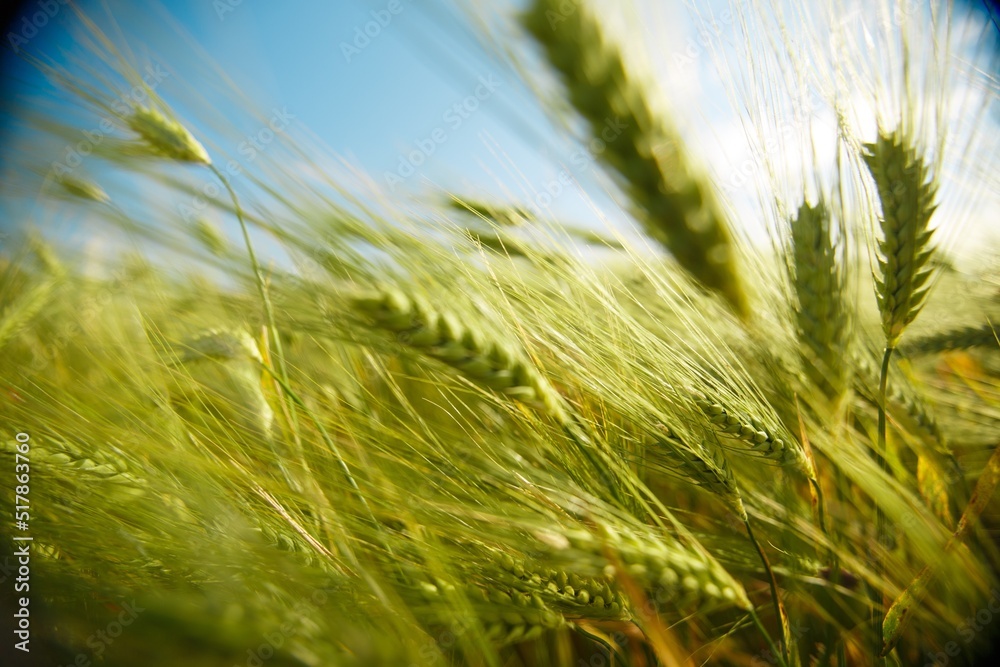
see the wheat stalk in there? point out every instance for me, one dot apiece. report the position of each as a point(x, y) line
point(906, 193)
point(167, 138)
point(676, 206)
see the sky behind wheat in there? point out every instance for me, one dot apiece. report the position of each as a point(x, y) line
point(378, 81)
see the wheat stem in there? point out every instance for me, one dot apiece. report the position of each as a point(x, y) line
point(778, 655)
point(268, 308)
point(772, 582)
point(329, 441)
point(880, 522)
point(906, 193)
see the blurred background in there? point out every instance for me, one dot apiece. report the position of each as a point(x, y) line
point(391, 96)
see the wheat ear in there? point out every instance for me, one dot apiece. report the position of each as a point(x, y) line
point(165, 137)
point(820, 314)
point(704, 466)
point(63, 457)
point(675, 205)
point(225, 369)
point(759, 438)
point(906, 192)
point(956, 339)
point(78, 188)
point(19, 312)
point(655, 561)
point(444, 337)
point(509, 614)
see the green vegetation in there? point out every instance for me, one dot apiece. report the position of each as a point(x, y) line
point(455, 439)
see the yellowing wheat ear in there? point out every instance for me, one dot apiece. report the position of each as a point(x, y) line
point(906, 192)
point(676, 206)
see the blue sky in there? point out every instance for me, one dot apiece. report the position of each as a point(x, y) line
point(375, 104)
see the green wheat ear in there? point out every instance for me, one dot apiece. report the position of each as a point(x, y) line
point(165, 137)
point(820, 314)
point(955, 339)
point(221, 383)
point(478, 355)
point(906, 191)
point(675, 205)
point(78, 188)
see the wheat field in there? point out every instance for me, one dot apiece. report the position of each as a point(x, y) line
point(754, 425)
